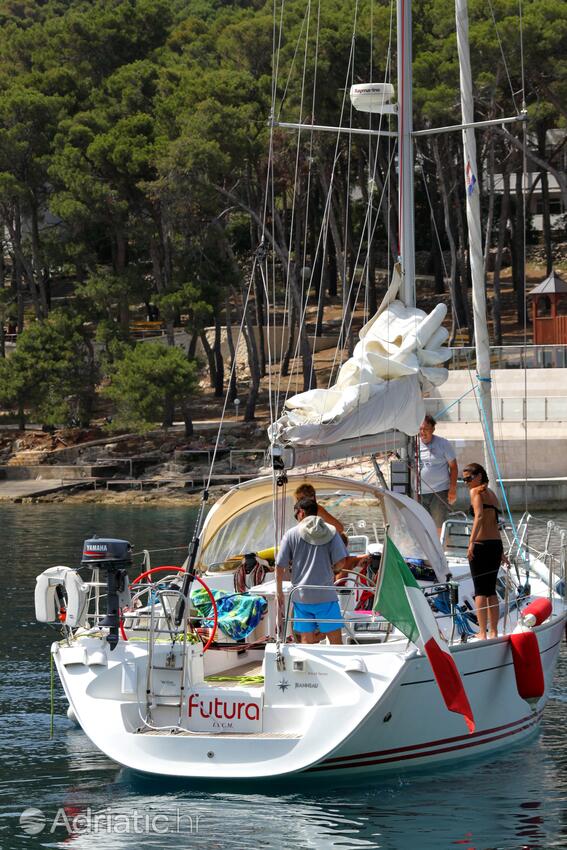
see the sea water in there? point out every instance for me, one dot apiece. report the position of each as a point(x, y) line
point(61, 791)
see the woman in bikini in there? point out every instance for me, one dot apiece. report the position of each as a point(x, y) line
point(485, 552)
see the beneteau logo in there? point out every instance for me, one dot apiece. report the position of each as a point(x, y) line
point(221, 709)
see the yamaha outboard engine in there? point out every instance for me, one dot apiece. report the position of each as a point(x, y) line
point(114, 557)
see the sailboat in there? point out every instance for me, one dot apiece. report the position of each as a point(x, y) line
point(192, 671)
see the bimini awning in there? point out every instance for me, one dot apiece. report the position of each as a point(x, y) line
point(245, 518)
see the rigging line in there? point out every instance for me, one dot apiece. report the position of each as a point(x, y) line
point(304, 24)
point(369, 266)
point(306, 20)
point(270, 182)
point(331, 181)
point(263, 276)
point(498, 472)
point(522, 65)
point(232, 369)
point(375, 225)
point(420, 160)
point(446, 409)
point(294, 57)
point(309, 177)
point(347, 291)
point(525, 304)
point(276, 49)
point(505, 63)
point(328, 202)
point(305, 295)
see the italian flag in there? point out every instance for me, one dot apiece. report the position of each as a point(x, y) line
point(400, 600)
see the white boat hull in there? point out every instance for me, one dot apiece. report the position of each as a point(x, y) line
point(352, 709)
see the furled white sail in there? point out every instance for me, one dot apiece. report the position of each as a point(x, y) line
point(399, 356)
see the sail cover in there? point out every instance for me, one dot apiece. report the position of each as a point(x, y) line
point(398, 357)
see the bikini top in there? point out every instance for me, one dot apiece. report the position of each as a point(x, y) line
point(486, 505)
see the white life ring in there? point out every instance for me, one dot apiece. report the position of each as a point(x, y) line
point(48, 607)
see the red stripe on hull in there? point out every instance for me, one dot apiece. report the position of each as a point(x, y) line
point(420, 750)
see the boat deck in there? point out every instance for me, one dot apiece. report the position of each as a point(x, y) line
point(232, 678)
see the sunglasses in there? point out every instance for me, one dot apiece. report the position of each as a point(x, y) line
point(469, 478)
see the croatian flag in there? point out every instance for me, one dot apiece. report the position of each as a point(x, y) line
point(401, 601)
point(470, 179)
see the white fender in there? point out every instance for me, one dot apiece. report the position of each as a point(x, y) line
point(76, 592)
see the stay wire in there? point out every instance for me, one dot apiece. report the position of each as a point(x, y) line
point(331, 181)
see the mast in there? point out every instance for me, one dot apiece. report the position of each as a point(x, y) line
point(406, 247)
point(482, 342)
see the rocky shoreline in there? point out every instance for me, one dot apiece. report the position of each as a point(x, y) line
point(159, 468)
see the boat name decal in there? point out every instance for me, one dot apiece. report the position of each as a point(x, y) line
point(222, 710)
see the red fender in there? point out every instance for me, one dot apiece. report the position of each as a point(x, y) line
point(527, 663)
point(541, 610)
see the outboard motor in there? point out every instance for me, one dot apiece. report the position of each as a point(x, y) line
point(114, 557)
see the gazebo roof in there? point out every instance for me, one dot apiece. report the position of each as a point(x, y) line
point(551, 285)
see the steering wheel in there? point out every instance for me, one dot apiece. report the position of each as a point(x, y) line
point(361, 585)
point(201, 582)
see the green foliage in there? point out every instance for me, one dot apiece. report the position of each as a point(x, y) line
point(51, 373)
point(146, 382)
point(142, 126)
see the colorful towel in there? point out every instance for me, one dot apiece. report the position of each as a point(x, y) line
point(239, 614)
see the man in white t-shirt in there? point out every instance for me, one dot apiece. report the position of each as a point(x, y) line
point(438, 472)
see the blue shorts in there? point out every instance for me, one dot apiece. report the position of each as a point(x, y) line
point(312, 612)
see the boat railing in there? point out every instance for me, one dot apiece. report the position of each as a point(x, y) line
point(512, 357)
point(548, 563)
point(373, 623)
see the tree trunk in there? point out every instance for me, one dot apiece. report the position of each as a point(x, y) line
point(17, 287)
point(318, 260)
point(156, 254)
point(219, 365)
point(38, 265)
point(332, 274)
point(463, 263)
point(168, 411)
point(546, 218)
point(120, 268)
point(518, 270)
point(192, 347)
point(496, 303)
point(458, 315)
point(14, 224)
point(187, 419)
point(250, 410)
point(289, 349)
point(233, 380)
point(340, 258)
point(260, 321)
point(210, 359)
point(491, 199)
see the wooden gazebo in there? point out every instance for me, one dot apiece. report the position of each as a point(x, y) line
point(549, 312)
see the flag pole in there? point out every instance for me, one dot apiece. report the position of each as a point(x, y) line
point(378, 587)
